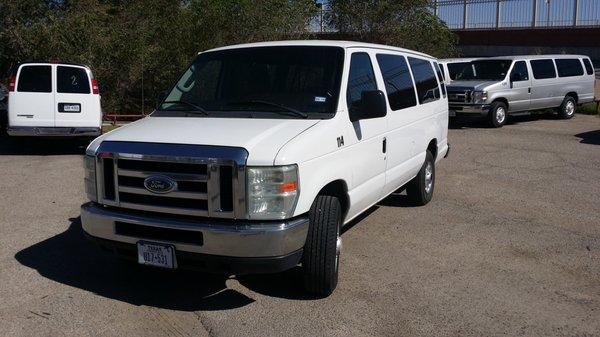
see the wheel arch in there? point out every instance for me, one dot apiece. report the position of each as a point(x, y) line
point(503, 100)
point(433, 148)
point(574, 95)
point(339, 189)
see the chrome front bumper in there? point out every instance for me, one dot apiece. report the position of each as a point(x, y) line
point(469, 109)
point(53, 131)
point(235, 238)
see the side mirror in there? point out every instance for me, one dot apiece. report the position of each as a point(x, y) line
point(160, 98)
point(372, 105)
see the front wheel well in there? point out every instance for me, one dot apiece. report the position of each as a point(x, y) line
point(574, 95)
point(501, 99)
point(338, 189)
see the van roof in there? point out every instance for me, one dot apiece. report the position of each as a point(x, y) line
point(535, 57)
point(52, 62)
point(327, 43)
point(459, 59)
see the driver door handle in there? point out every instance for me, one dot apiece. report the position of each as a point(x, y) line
point(384, 145)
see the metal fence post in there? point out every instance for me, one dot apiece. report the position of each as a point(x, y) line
point(534, 14)
point(575, 10)
point(465, 14)
point(497, 14)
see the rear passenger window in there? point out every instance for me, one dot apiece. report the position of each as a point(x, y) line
point(543, 69)
point(398, 83)
point(440, 78)
point(72, 80)
point(35, 79)
point(519, 72)
point(569, 67)
point(427, 85)
point(361, 78)
point(588, 66)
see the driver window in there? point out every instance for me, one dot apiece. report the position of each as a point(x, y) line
point(360, 78)
point(519, 72)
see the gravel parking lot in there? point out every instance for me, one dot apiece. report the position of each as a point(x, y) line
point(510, 245)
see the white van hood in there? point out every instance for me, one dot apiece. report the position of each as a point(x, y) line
point(262, 138)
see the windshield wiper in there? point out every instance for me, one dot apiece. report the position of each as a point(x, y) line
point(278, 105)
point(196, 107)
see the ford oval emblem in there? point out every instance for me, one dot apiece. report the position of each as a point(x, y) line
point(160, 184)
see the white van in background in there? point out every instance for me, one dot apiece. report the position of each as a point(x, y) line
point(496, 87)
point(452, 67)
point(53, 99)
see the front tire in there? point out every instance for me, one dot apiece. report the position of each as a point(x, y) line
point(497, 115)
point(567, 108)
point(420, 189)
point(321, 257)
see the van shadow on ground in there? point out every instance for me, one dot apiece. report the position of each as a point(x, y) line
point(590, 137)
point(69, 258)
point(31, 146)
point(482, 123)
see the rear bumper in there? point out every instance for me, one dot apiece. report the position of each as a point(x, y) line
point(53, 131)
point(469, 109)
point(235, 247)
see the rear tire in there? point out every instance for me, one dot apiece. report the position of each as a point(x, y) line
point(420, 188)
point(568, 108)
point(497, 114)
point(321, 257)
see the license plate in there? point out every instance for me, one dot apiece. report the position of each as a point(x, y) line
point(71, 107)
point(157, 255)
point(451, 113)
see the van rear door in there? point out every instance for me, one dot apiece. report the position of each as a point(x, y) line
point(75, 105)
point(32, 101)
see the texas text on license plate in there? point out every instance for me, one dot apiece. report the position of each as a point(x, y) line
point(156, 254)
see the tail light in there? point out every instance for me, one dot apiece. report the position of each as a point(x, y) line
point(95, 90)
point(12, 83)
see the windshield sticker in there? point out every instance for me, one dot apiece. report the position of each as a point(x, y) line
point(320, 99)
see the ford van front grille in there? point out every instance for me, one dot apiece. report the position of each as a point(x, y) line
point(176, 179)
point(463, 96)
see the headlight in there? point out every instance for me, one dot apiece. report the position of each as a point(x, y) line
point(89, 166)
point(479, 97)
point(272, 191)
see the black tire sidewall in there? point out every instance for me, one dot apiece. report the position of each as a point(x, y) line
point(319, 257)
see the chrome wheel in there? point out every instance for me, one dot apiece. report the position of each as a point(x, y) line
point(500, 115)
point(338, 247)
point(570, 108)
point(428, 177)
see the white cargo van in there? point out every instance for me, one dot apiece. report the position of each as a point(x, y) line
point(53, 99)
point(260, 153)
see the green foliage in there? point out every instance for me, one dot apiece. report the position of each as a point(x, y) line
point(138, 48)
point(403, 23)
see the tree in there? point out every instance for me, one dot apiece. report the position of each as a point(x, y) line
point(403, 23)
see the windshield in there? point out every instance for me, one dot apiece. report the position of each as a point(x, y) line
point(492, 70)
point(456, 68)
point(271, 82)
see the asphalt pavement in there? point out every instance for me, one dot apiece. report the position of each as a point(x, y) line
point(510, 245)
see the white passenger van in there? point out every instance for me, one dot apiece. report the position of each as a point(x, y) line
point(510, 85)
point(260, 153)
point(452, 67)
point(53, 99)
